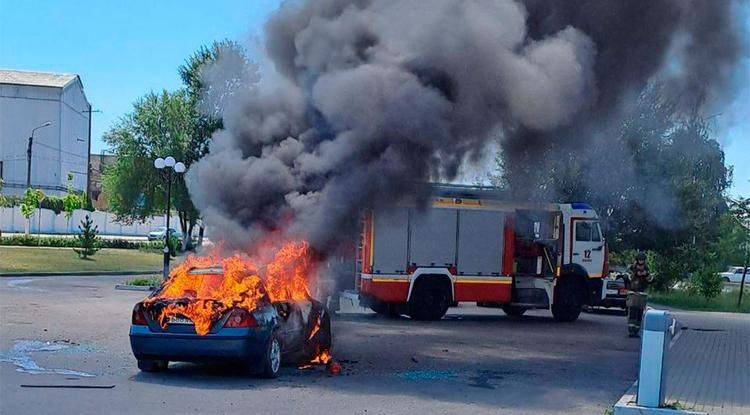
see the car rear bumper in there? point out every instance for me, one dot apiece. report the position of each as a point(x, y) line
point(227, 345)
point(614, 302)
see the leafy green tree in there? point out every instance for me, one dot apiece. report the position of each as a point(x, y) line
point(160, 124)
point(223, 62)
point(31, 200)
point(88, 238)
point(71, 202)
point(658, 181)
point(179, 124)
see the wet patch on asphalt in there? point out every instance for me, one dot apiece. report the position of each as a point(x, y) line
point(20, 355)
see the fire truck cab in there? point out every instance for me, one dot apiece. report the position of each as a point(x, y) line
point(469, 245)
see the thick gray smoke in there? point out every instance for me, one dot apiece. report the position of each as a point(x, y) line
point(373, 97)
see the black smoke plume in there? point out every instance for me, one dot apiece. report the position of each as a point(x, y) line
point(370, 97)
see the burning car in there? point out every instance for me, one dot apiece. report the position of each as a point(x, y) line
point(233, 312)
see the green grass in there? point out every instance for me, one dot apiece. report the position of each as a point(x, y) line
point(31, 259)
point(153, 281)
point(726, 302)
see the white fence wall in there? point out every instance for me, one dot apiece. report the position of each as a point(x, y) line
point(11, 220)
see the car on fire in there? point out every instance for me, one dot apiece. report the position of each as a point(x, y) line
point(275, 333)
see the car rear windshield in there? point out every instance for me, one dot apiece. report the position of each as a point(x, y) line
point(206, 271)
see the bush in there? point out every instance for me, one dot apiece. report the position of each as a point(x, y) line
point(706, 282)
point(667, 270)
point(60, 242)
point(153, 281)
point(53, 203)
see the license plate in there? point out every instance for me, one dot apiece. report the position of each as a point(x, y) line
point(611, 291)
point(180, 320)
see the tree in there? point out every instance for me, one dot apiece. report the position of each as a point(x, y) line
point(31, 200)
point(160, 124)
point(655, 175)
point(177, 123)
point(224, 63)
point(87, 238)
point(71, 202)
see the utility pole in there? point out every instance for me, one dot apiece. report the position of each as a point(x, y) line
point(88, 156)
point(28, 153)
point(744, 274)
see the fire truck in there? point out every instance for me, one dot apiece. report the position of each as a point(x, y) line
point(470, 245)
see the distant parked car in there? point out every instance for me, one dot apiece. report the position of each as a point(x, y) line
point(158, 233)
point(733, 274)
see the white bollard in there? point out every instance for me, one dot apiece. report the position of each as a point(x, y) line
point(657, 332)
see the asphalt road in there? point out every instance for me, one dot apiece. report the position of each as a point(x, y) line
point(475, 361)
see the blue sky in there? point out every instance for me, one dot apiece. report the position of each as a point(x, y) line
point(124, 49)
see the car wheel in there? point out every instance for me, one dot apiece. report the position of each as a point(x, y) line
point(514, 311)
point(152, 365)
point(272, 358)
point(725, 279)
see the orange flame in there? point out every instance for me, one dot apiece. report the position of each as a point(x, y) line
point(245, 282)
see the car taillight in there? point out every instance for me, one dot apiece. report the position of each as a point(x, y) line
point(139, 319)
point(240, 318)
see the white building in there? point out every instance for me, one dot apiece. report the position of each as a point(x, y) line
point(60, 150)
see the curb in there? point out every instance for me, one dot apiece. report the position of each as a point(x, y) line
point(627, 406)
point(78, 273)
point(127, 287)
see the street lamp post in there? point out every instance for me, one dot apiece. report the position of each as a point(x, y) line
point(28, 152)
point(168, 163)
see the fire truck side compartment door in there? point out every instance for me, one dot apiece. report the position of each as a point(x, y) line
point(480, 242)
point(390, 236)
point(433, 237)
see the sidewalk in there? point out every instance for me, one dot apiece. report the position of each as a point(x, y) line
point(708, 368)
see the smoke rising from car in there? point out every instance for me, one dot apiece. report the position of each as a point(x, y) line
point(369, 98)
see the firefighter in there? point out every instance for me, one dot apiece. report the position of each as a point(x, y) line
point(636, 301)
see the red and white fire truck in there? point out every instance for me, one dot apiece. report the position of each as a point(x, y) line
point(469, 245)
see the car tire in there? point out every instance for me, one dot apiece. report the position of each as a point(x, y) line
point(148, 365)
point(726, 279)
point(429, 302)
point(514, 311)
point(567, 305)
point(271, 358)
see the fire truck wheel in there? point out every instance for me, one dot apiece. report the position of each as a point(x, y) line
point(152, 365)
point(514, 311)
point(568, 304)
point(429, 301)
point(272, 358)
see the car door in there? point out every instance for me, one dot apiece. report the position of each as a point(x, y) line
point(291, 326)
point(737, 277)
point(588, 246)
